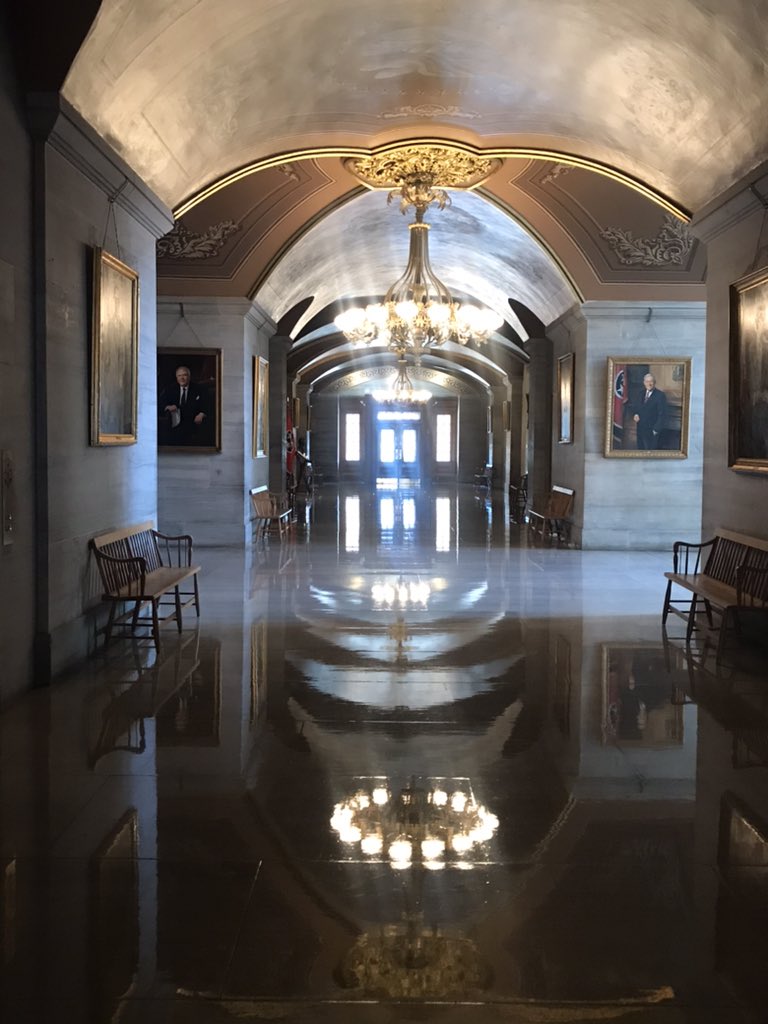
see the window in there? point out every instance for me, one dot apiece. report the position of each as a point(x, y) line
point(352, 437)
point(443, 437)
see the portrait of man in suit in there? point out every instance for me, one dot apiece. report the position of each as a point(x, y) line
point(650, 415)
point(187, 416)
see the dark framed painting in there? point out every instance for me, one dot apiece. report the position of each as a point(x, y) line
point(113, 908)
point(638, 689)
point(190, 717)
point(748, 398)
point(646, 408)
point(565, 398)
point(114, 351)
point(260, 407)
point(189, 399)
point(741, 939)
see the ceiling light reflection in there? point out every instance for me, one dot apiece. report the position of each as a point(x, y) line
point(429, 822)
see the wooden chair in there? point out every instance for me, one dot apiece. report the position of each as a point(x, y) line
point(270, 509)
point(554, 520)
point(518, 499)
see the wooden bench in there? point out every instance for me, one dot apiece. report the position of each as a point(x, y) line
point(270, 509)
point(140, 566)
point(518, 499)
point(554, 520)
point(727, 573)
point(484, 477)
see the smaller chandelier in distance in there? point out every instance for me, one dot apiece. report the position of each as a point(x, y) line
point(401, 389)
point(418, 311)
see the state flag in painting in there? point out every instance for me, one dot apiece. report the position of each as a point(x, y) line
point(620, 398)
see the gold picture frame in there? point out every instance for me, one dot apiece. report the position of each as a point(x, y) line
point(637, 690)
point(644, 421)
point(114, 351)
point(748, 391)
point(260, 407)
point(565, 398)
point(197, 426)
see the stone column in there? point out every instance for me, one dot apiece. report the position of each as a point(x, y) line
point(539, 420)
point(278, 394)
point(500, 443)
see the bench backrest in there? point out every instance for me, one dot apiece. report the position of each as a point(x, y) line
point(559, 503)
point(732, 550)
point(130, 542)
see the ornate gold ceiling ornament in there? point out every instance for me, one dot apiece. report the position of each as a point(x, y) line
point(420, 174)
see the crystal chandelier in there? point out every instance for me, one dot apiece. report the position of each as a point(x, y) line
point(418, 311)
point(434, 823)
point(401, 389)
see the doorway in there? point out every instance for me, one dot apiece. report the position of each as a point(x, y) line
point(398, 444)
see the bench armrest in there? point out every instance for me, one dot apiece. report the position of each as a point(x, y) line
point(686, 556)
point(175, 550)
point(118, 572)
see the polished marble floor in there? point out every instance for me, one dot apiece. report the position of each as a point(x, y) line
point(411, 766)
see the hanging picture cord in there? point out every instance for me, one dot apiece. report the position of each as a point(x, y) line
point(111, 215)
point(189, 324)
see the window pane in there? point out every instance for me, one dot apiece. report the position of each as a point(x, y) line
point(387, 445)
point(409, 446)
point(443, 437)
point(352, 524)
point(352, 437)
point(442, 524)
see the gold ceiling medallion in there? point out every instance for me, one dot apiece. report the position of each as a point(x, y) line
point(418, 312)
point(420, 174)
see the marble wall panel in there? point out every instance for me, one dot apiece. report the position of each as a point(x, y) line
point(17, 561)
point(632, 502)
point(732, 499)
point(91, 490)
point(206, 494)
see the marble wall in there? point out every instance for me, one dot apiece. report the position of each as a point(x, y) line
point(206, 494)
point(737, 244)
point(90, 489)
point(630, 502)
point(17, 560)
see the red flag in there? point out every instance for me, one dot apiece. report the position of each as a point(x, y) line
point(620, 396)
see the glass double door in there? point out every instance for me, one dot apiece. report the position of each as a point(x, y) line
point(398, 448)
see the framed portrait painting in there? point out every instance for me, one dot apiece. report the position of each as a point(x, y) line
point(638, 705)
point(748, 399)
point(114, 351)
point(646, 407)
point(189, 399)
point(565, 398)
point(260, 407)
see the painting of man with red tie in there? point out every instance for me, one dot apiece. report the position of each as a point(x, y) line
point(649, 419)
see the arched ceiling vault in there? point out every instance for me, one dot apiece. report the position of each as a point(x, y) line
point(671, 94)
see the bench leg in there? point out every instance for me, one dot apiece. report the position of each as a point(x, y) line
point(708, 610)
point(110, 622)
point(691, 618)
point(665, 609)
point(197, 596)
point(155, 624)
point(177, 597)
point(135, 617)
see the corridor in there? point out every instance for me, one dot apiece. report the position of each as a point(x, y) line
point(410, 766)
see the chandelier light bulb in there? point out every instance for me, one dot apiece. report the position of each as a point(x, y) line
point(400, 852)
point(461, 843)
point(432, 848)
point(380, 796)
point(458, 801)
point(439, 798)
point(372, 844)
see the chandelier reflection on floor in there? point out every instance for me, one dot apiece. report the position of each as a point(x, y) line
point(397, 593)
point(418, 311)
point(430, 822)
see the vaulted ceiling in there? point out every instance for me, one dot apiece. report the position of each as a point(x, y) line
point(613, 122)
